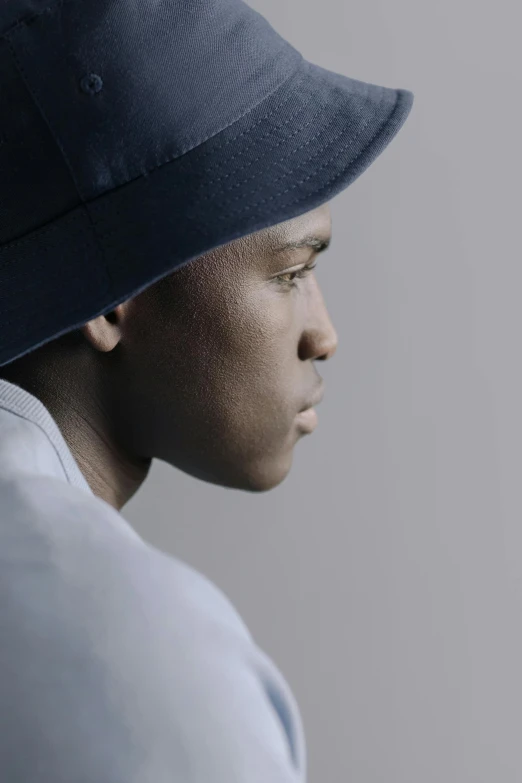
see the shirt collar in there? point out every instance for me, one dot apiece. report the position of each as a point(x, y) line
point(30, 410)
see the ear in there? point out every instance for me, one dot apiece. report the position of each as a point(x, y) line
point(105, 332)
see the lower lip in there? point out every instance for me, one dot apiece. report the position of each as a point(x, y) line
point(307, 420)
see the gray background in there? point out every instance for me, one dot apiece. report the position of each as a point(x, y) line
point(384, 576)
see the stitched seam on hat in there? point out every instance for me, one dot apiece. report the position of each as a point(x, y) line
point(316, 152)
point(251, 128)
point(296, 149)
point(298, 64)
point(32, 92)
point(198, 153)
point(30, 18)
point(314, 173)
point(43, 114)
point(73, 215)
point(58, 4)
point(259, 139)
point(196, 147)
point(299, 60)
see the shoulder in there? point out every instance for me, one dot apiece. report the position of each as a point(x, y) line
point(125, 662)
point(78, 538)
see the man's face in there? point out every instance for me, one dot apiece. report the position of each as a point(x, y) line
point(217, 359)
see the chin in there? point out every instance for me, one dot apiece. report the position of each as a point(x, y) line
point(266, 475)
point(251, 472)
point(261, 476)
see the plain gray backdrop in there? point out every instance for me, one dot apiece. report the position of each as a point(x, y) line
point(384, 575)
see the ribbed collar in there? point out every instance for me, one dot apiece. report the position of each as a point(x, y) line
point(21, 403)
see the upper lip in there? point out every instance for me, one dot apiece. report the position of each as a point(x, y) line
point(315, 399)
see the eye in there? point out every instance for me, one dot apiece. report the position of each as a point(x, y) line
point(300, 273)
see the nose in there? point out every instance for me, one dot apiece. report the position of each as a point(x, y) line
point(319, 338)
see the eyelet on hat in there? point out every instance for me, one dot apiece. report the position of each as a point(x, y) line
point(91, 83)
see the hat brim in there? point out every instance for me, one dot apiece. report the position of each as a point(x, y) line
point(297, 149)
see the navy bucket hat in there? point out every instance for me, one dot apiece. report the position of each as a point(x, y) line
point(136, 135)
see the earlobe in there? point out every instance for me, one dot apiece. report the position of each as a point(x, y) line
point(104, 332)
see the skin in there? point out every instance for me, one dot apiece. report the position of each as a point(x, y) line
point(205, 369)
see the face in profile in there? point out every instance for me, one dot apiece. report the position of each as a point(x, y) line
point(216, 360)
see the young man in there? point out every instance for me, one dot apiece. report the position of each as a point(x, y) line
point(166, 173)
point(207, 369)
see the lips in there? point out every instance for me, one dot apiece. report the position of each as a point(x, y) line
point(314, 400)
point(307, 417)
point(307, 420)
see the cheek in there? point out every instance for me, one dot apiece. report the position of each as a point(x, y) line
point(253, 382)
point(223, 376)
point(239, 366)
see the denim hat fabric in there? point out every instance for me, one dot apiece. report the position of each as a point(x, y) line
point(136, 135)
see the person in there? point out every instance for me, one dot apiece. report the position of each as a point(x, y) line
point(163, 211)
point(207, 369)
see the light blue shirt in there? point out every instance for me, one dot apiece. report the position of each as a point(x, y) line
point(118, 662)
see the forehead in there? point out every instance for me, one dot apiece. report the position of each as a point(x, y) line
point(269, 243)
point(317, 222)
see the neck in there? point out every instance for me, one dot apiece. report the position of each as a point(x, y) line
point(86, 424)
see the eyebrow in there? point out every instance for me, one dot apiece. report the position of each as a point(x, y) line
point(309, 241)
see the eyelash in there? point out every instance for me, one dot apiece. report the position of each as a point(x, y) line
point(299, 275)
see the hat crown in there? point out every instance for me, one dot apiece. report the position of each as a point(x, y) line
point(123, 87)
point(137, 135)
